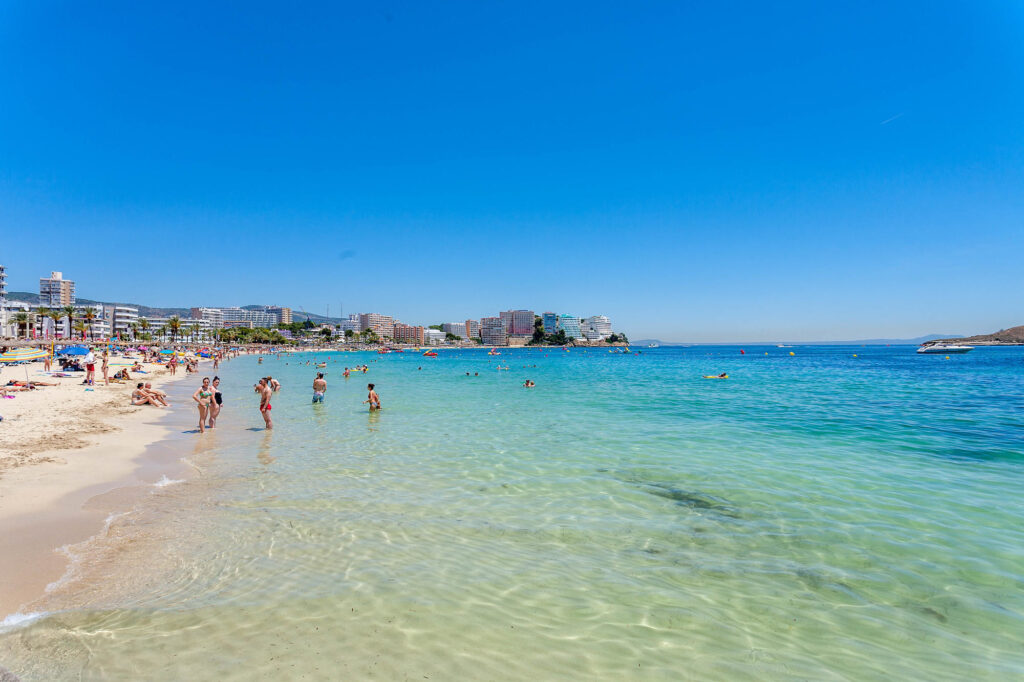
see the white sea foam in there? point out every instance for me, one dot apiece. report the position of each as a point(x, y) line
point(74, 557)
point(18, 620)
point(164, 482)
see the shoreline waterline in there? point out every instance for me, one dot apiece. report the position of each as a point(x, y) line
point(67, 499)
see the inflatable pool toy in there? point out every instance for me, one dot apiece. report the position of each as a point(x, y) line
point(709, 376)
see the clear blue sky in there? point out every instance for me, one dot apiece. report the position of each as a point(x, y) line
point(696, 171)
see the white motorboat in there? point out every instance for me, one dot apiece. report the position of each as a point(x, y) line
point(944, 348)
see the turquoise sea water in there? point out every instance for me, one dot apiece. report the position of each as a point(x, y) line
point(816, 516)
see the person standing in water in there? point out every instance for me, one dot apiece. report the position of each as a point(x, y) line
point(319, 388)
point(218, 401)
point(203, 396)
point(264, 390)
point(372, 398)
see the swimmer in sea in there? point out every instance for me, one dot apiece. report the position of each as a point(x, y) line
point(372, 398)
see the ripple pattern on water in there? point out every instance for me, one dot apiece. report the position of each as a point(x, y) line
point(813, 517)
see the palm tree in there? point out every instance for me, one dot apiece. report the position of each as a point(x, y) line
point(42, 315)
point(89, 315)
point(56, 315)
point(134, 326)
point(195, 331)
point(68, 312)
point(174, 326)
point(80, 327)
point(22, 320)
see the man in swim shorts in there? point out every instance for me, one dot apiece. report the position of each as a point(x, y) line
point(319, 387)
point(264, 390)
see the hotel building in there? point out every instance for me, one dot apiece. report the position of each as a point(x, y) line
point(404, 333)
point(382, 325)
point(472, 330)
point(119, 319)
point(550, 321)
point(55, 291)
point(597, 327)
point(456, 328)
point(492, 331)
point(571, 325)
point(518, 322)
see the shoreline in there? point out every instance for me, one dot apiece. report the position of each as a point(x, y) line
point(63, 496)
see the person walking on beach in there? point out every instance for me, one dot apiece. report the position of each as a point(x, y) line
point(263, 388)
point(90, 367)
point(372, 398)
point(105, 366)
point(319, 388)
point(203, 396)
point(218, 402)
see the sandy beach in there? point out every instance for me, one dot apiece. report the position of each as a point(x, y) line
point(61, 447)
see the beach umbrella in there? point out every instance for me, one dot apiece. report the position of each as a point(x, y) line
point(167, 351)
point(23, 355)
point(75, 350)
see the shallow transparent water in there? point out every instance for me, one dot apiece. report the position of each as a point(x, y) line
point(817, 516)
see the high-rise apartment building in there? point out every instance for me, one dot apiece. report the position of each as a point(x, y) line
point(268, 317)
point(550, 322)
point(119, 319)
point(456, 328)
point(3, 284)
point(518, 322)
point(571, 325)
point(472, 329)
point(596, 327)
point(404, 333)
point(352, 322)
point(284, 315)
point(55, 291)
point(492, 331)
point(382, 325)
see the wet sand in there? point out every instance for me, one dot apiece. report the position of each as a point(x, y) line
point(102, 452)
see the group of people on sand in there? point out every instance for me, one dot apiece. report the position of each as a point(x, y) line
point(145, 394)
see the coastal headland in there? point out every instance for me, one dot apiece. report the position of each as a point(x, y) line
point(1014, 336)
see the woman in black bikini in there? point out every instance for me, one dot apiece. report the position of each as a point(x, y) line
point(218, 402)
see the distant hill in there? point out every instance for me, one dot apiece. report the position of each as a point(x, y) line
point(1014, 336)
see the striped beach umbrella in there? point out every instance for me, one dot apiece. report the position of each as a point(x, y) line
point(23, 355)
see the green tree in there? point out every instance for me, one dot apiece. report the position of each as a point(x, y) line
point(89, 316)
point(349, 333)
point(68, 312)
point(174, 327)
point(22, 319)
point(538, 331)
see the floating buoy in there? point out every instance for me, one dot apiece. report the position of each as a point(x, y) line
point(792, 353)
point(947, 357)
point(854, 355)
point(766, 352)
point(742, 352)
